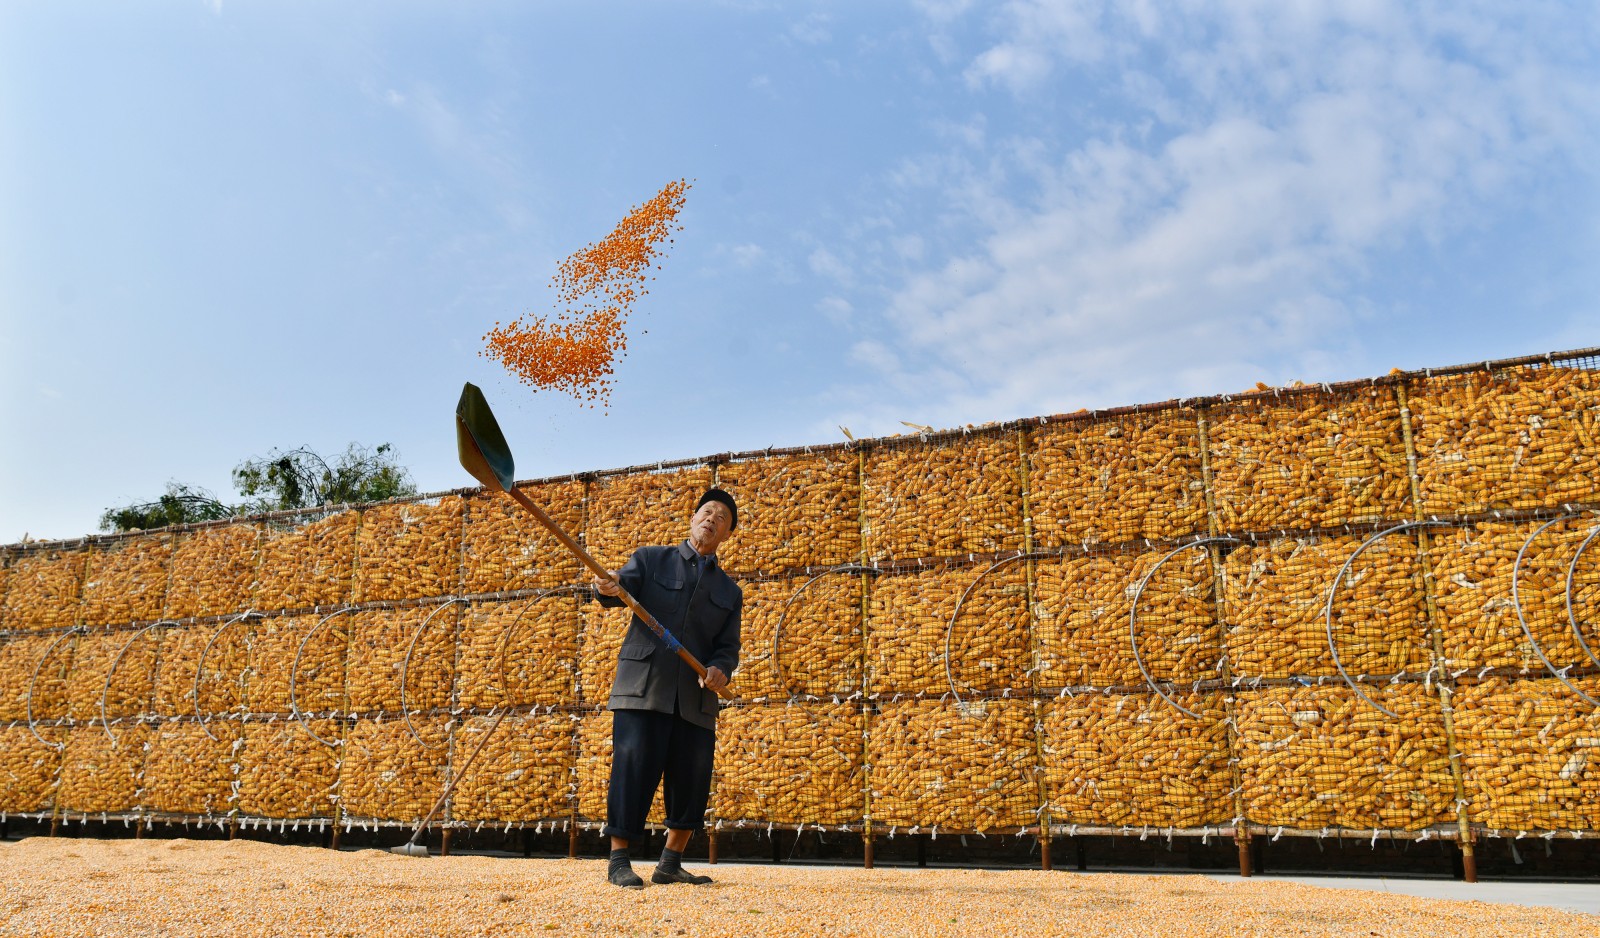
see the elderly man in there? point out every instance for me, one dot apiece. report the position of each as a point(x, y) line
point(663, 714)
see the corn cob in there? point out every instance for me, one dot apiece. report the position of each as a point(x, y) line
point(386, 774)
point(286, 773)
point(1315, 460)
point(128, 582)
point(962, 767)
point(45, 590)
point(525, 772)
point(1509, 439)
point(1315, 757)
point(539, 641)
point(29, 768)
point(794, 763)
point(1277, 595)
point(627, 512)
point(1133, 760)
point(1530, 754)
point(410, 550)
point(1116, 480)
point(945, 499)
point(505, 548)
point(794, 511)
point(307, 565)
point(819, 649)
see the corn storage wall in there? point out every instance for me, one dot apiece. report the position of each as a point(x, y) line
point(1366, 608)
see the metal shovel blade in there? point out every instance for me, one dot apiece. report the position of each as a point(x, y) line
point(410, 850)
point(479, 442)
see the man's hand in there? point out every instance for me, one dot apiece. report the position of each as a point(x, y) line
point(714, 680)
point(608, 586)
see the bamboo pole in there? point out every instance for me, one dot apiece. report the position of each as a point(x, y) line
point(1443, 682)
point(1241, 832)
point(1023, 448)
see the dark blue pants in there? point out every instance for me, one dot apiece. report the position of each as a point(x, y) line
point(650, 749)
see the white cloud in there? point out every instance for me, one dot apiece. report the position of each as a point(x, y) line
point(825, 263)
point(1221, 222)
point(746, 255)
point(837, 309)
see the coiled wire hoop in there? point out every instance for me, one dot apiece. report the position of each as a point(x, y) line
point(295, 713)
point(105, 690)
point(1133, 619)
point(1327, 609)
point(1516, 603)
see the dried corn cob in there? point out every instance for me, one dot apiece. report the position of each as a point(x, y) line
point(1277, 595)
point(1312, 460)
point(790, 764)
point(193, 768)
point(1083, 607)
point(29, 768)
point(308, 564)
point(386, 774)
point(1530, 754)
point(603, 631)
point(819, 649)
point(45, 589)
point(1133, 760)
point(127, 582)
point(213, 571)
point(594, 768)
point(286, 773)
point(539, 641)
point(222, 650)
point(794, 511)
point(1472, 568)
point(911, 616)
point(23, 656)
point(961, 767)
point(102, 774)
point(525, 772)
point(505, 548)
point(129, 692)
point(1510, 439)
point(1316, 757)
point(410, 550)
point(627, 512)
point(275, 643)
point(379, 642)
point(946, 499)
point(1118, 479)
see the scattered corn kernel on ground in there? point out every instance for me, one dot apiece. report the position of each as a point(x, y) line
point(183, 887)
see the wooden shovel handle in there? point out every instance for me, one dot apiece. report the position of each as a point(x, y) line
point(644, 615)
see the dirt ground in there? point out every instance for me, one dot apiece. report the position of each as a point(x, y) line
point(186, 887)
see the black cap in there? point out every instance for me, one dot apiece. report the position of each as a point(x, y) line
point(718, 495)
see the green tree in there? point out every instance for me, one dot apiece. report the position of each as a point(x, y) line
point(302, 478)
point(282, 479)
point(181, 504)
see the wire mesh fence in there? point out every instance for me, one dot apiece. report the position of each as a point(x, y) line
point(1187, 616)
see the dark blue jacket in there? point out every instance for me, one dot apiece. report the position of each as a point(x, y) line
point(701, 611)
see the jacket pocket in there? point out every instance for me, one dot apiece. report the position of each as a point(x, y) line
point(633, 670)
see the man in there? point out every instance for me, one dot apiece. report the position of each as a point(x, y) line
point(664, 715)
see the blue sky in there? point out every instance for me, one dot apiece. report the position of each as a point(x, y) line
point(231, 226)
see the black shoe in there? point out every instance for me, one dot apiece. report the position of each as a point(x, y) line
point(663, 878)
point(621, 874)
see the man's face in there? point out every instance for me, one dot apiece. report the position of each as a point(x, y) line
point(710, 526)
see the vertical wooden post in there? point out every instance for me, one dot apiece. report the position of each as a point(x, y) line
point(866, 649)
point(444, 842)
point(1444, 683)
point(711, 846)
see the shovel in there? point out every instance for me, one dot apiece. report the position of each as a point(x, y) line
point(484, 454)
